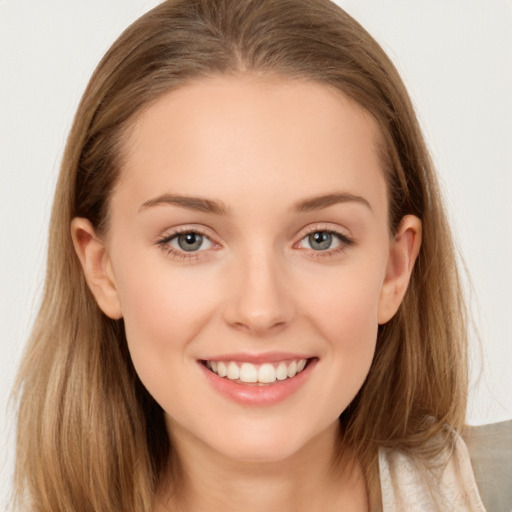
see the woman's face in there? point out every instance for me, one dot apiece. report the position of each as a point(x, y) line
point(249, 235)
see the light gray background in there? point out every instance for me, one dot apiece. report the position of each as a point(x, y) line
point(456, 59)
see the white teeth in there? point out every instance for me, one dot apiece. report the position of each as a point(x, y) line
point(282, 371)
point(292, 369)
point(248, 373)
point(233, 371)
point(221, 369)
point(267, 373)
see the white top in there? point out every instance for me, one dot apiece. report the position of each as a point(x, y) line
point(448, 486)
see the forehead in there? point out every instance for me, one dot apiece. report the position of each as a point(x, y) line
point(258, 137)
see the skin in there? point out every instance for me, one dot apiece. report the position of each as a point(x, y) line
point(257, 147)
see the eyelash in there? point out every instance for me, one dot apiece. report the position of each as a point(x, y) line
point(164, 243)
point(344, 242)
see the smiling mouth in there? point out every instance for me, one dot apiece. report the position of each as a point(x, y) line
point(257, 374)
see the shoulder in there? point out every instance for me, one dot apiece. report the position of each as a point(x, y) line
point(447, 482)
point(490, 450)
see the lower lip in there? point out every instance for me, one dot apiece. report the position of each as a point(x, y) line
point(251, 394)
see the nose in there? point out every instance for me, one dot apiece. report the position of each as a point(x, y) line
point(260, 301)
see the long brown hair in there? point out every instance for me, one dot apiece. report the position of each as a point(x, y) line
point(89, 436)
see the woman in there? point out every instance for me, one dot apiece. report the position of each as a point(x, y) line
point(251, 300)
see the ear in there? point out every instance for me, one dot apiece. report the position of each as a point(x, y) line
point(403, 252)
point(96, 266)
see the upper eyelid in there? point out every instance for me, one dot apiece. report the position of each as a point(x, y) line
point(171, 233)
point(324, 226)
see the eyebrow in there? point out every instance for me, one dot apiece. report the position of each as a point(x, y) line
point(191, 203)
point(324, 201)
point(208, 206)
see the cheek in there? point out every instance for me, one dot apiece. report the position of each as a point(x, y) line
point(344, 306)
point(163, 311)
point(344, 311)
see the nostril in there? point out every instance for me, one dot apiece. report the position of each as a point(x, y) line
point(259, 326)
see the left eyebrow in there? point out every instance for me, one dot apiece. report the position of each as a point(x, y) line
point(324, 201)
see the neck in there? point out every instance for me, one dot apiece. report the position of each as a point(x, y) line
point(307, 480)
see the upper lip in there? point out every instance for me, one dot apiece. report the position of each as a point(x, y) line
point(268, 357)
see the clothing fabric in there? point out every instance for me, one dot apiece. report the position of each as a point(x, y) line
point(490, 449)
point(448, 484)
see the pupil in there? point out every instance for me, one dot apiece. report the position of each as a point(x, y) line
point(190, 241)
point(320, 240)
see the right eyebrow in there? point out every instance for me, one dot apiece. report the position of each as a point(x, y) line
point(199, 204)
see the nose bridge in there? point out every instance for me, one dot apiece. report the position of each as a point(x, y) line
point(260, 300)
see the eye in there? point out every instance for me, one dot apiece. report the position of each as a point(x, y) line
point(190, 242)
point(323, 240)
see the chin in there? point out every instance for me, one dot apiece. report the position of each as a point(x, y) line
point(268, 443)
point(260, 452)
